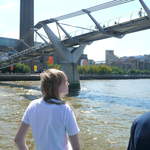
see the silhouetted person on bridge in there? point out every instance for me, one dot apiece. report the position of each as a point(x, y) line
point(51, 119)
point(140, 133)
point(140, 12)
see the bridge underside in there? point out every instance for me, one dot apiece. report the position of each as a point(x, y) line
point(123, 28)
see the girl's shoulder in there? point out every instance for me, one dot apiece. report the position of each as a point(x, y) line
point(66, 107)
point(35, 102)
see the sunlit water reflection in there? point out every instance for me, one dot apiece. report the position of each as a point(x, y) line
point(105, 110)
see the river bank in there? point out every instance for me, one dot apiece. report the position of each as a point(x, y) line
point(36, 77)
point(19, 77)
point(112, 76)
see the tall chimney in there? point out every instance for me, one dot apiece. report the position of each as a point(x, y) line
point(26, 23)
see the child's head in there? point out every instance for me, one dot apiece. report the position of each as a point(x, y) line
point(54, 84)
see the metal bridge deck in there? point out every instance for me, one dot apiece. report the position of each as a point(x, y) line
point(139, 24)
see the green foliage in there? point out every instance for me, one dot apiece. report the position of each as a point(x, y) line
point(117, 70)
point(5, 70)
point(146, 71)
point(135, 71)
point(104, 69)
point(83, 69)
point(56, 66)
point(22, 68)
point(95, 69)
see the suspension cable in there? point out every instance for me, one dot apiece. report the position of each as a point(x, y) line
point(76, 27)
point(43, 35)
point(58, 31)
point(80, 12)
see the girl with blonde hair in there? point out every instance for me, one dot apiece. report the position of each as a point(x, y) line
point(52, 121)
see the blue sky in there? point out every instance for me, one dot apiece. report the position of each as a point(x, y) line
point(130, 45)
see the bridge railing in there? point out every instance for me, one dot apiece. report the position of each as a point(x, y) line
point(107, 23)
point(24, 52)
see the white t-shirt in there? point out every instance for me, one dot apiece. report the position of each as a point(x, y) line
point(51, 124)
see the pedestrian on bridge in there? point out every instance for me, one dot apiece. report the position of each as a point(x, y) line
point(52, 121)
point(140, 133)
point(140, 12)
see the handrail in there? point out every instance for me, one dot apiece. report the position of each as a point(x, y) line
point(80, 12)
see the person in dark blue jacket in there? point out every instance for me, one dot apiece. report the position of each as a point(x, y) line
point(140, 133)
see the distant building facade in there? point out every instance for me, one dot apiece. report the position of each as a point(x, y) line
point(85, 61)
point(126, 63)
point(110, 57)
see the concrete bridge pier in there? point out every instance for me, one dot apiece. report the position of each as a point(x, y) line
point(71, 70)
point(66, 57)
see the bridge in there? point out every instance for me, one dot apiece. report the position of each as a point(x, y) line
point(69, 49)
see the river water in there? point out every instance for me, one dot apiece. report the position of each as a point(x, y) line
point(104, 109)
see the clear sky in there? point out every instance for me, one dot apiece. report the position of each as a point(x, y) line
point(130, 45)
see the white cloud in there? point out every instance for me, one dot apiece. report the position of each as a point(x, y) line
point(97, 49)
point(10, 35)
point(8, 5)
point(130, 45)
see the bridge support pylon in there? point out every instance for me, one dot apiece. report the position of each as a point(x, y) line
point(147, 10)
point(66, 57)
point(71, 70)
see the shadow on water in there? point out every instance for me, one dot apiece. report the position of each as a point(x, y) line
point(25, 94)
point(13, 85)
point(29, 96)
point(74, 91)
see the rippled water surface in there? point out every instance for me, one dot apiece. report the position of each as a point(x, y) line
point(104, 109)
